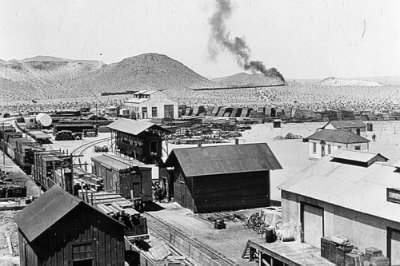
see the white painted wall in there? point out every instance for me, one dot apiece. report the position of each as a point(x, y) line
point(363, 230)
point(157, 99)
point(334, 147)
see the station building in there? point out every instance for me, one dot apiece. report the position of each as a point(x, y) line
point(328, 141)
point(152, 104)
point(140, 140)
point(352, 194)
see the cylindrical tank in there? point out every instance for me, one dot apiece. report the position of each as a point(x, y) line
point(270, 235)
point(44, 119)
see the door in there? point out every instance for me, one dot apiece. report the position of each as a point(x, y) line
point(393, 246)
point(168, 111)
point(313, 224)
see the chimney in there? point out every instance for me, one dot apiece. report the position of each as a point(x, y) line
point(236, 141)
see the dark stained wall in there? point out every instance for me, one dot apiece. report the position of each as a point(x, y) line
point(222, 192)
point(83, 231)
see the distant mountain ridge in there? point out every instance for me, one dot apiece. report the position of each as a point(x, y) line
point(332, 81)
point(43, 77)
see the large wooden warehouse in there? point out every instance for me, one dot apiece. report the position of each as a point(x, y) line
point(60, 229)
point(227, 177)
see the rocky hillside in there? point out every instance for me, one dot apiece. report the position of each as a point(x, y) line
point(45, 70)
point(331, 81)
point(245, 79)
point(143, 72)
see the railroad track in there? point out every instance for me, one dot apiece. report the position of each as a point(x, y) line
point(86, 146)
point(170, 233)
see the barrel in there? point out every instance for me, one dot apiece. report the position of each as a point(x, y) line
point(270, 235)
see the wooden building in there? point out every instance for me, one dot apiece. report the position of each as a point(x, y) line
point(351, 194)
point(356, 126)
point(129, 178)
point(327, 141)
point(226, 177)
point(137, 139)
point(60, 229)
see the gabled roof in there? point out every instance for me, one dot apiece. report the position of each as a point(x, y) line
point(339, 136)
point(224, 159)
point(361, 189)
point(116, 162)
point(134, 127)
point(48, 209)
point(358, 156)
point(339, 124)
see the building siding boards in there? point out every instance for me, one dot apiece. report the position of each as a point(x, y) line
point(231, 191)
point(83, 226)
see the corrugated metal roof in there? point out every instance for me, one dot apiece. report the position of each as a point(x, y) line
point(45, 211)
point(134, 127)
point(116, 162)
point(357, 156)
point(224, 159)
point(362, 189)
point(346, 123)
point(339, 136)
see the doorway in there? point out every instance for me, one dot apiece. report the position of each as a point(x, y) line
point(393, 245)
point(312, 220)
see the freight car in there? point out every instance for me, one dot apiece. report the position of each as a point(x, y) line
point(75, 128)
point(44, 169)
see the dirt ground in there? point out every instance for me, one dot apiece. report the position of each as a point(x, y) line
point(8, 228)
point(229, 242)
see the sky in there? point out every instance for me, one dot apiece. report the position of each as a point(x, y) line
point(302, 39)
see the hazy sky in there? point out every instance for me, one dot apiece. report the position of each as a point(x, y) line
point(302, 39)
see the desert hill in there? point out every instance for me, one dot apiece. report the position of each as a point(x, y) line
point(143, 72)
point(44, 71)
point(245, 79)
point(331, 81)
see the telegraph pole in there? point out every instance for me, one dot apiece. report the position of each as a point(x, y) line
point(4, 155)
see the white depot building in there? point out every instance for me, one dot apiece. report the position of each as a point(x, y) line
point(152, 104)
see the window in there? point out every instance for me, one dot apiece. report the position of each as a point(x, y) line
point(144, 112)
point(168, 111)
point(329, 149)
point(314, 148)
point(339, 147)
point(153, 111)
point(357, 147)
point(82, 252)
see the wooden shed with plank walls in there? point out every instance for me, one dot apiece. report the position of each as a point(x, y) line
point(60, 229)
point(225, 177)
point(127, 177)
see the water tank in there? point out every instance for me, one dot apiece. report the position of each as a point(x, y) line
point(44, 119)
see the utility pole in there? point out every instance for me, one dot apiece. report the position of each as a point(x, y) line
point(4, 154)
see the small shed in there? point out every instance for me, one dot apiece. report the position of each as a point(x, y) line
point(60, 229)
point(277, 123)
point(226, 177)
point(123, 176)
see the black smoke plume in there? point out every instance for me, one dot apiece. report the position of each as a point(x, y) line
point(220, 39)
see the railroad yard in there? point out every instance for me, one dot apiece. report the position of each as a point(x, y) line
point(194, 133)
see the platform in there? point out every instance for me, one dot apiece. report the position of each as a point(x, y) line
point(283, 253)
